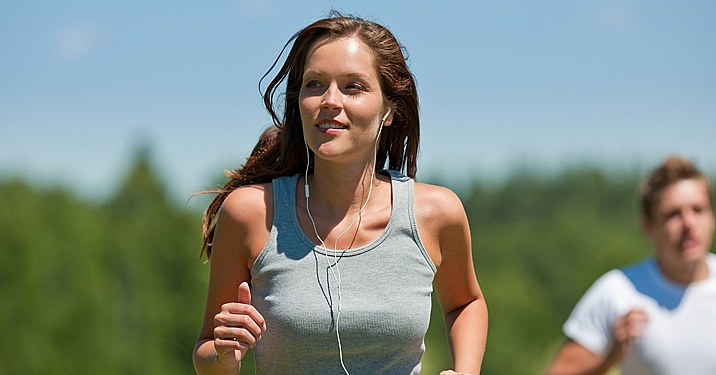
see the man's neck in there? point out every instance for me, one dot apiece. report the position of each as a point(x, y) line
point(684, 273)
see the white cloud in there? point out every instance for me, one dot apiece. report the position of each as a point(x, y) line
point(74, 42)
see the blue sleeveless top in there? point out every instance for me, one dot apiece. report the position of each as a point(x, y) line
point(384, 303)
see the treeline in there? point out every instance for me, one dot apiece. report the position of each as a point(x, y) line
point(538, 244)
point(112, 288)
point(117, 287)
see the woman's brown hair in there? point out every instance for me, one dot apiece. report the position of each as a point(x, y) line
point(281, 148)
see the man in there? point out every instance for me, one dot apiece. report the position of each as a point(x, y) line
point(657, 316)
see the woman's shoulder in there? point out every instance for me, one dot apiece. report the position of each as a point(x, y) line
point(248, 203)
point(435, 190)
point(438, 202)
point(244, 221)
point(442, 222)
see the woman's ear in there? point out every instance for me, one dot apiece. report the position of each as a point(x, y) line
point(388, 117)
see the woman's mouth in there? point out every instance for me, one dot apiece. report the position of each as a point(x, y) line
point(328, 125)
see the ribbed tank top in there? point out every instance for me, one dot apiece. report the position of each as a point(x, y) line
point(385, 293)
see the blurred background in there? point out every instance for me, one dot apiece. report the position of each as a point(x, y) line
point(543, 116)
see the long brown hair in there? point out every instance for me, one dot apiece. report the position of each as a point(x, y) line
point(281, 149)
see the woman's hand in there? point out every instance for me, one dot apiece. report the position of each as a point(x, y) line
point(237, 328)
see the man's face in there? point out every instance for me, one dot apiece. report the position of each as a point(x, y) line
point(683, 224)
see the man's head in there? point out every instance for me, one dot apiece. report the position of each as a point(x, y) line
point(677, 214)
point(673, 169)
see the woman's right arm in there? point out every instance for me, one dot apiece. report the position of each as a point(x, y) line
point(231, 325)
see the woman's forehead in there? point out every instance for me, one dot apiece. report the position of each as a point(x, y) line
point(349, 50)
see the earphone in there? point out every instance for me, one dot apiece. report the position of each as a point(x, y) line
point(337, 273)
point(375, 151)
point(385, 117)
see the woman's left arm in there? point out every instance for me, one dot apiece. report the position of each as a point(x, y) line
point(445, 232)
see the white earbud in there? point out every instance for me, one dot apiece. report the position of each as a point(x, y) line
point(390, 109)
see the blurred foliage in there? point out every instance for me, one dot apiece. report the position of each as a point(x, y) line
point(118, 288)
point(538, 244)
point(88, 288)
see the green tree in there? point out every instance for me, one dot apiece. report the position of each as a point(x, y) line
point(538, 243)
point(114, 288)
point(118, 287)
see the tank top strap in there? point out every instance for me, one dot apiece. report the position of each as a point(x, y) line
point(284, 201)
point(284, 189)
point(402, 213)
point(402, 199)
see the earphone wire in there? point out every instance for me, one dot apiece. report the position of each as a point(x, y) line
point(337, 272)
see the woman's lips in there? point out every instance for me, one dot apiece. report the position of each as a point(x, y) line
point(330, 126)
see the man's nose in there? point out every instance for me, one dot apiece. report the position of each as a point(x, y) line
point(689, 218)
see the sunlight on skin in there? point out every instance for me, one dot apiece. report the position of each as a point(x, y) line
point(352, 46)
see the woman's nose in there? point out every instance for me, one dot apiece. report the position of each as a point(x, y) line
point(331, 98)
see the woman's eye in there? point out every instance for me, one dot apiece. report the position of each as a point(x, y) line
point(313, 84)
point(354, 86)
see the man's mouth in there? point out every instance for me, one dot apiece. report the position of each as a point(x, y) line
point(688, 243)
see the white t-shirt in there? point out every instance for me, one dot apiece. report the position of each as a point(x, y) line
point(680, 337)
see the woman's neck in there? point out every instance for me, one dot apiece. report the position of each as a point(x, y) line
point(341, 189)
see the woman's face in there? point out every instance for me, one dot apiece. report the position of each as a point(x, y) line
point(340, 101)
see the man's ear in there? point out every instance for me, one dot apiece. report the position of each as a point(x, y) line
point(646, 225)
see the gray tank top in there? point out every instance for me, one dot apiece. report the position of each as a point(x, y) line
point(385, 290)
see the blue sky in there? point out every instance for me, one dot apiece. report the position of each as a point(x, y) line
point(502, 84)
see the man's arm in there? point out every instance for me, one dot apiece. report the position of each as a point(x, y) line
point(574, 359)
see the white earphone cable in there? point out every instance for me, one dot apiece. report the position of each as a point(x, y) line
point(337, 273)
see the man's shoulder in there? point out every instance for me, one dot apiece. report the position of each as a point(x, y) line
point(641, 269)
point(613, 280)
point(617, 284)
point(711, 262)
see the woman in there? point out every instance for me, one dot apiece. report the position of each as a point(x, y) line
point(341, 256)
